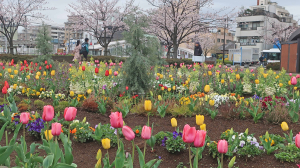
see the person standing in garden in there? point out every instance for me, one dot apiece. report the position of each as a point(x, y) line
point(261, 60)
point(76, 52)
point(198, 49)
point(85, 48)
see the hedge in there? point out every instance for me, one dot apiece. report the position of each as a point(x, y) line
point(273, 66)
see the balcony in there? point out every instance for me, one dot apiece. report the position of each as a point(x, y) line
point(248, 28)
point(247, 44)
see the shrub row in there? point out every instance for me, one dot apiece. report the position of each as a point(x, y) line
point(273, 66)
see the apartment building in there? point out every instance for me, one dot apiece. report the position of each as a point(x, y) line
point(253, 24)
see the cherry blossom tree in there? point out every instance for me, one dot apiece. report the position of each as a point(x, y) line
point(13, 15)
point(207, 42)
point(101, 17)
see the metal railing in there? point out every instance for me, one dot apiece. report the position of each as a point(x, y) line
point(248, 44)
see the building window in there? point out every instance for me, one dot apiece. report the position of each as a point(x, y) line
point(227, 41)
point(218, 40)
point(255, 25)
point(222, 40)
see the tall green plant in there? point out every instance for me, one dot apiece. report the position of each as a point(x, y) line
point(43, 41)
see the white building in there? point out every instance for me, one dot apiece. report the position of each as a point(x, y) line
point(253, 23)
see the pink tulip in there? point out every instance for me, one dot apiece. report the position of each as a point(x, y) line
point(222, 146)
point(109, 67)
point(120, 66)
point(252, 70)
point(194, 69)
point(175, 64)
point(116, 120)
point(199, 138)
point(116, 73)
point(128, 133)
point(48, 113)
point(220, 66)
point(146, 132)
point(70, 65)
point(209, 68)
point(79, 63)
point(225, 66)
point(98, 65)
point(188, 134)
point(157, 78)
point(297, 76)
point(291, 74)
point(1, 63)
point(293, 81)
point(56, 129)
point(24, 118)
point(70, 113)
point(241, 69)
point(297, 140)
point(92, 64)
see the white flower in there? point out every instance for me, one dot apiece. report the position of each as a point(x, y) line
point(233, 137)
point(249, 138)
point(242, 143)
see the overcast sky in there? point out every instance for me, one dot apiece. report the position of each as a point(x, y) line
point(59, 16)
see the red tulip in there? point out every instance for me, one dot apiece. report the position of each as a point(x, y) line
point(133, 97)
point(116, 120)
point(47, 67)
point(3, 67)
point(4, 90)
point(26, 65)
point(24, 118)
point(126, 87)
point(83, 68)
point(146, 132)
point(294, 81)
point(48, 113)
point(222, 146)
point(6, 84)
point(31, 63)
point(166, 88)
point(106, 73)
point(50, 66)
point(12, 62)
point(96, 70)
point(297, 140)
point(40, 68)
point(25, 62)
point(46, 62)
point(128, 133)
point(189, 134)
point(199, 138)
point(56, 129)
point(70, 113)
point(31, 71)
point(36, 64)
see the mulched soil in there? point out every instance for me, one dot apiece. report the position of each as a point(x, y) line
point(85, 153)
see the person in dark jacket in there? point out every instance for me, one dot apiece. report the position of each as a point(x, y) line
point(198, 49)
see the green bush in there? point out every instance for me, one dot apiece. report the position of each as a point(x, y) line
point(61, 107)
point(17, 58)
point(39, 104)
point(17, 99)
point(179, 61)
point(273, 66)
point(225, 62)
point(160, 136)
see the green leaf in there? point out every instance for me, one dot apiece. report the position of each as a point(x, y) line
point(63, 165)
point(13, 140)
point(67, 148)
point(48, 161)
point(6, 154)
point(20, 152)
point(120, 157)
point(2, 130)
point(156, 164)
point(150, 163)
point(38, 159)
point(141, 157)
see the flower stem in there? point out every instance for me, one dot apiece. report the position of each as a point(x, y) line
point(222, 161)
point(108, 156)
point(48, 137)
point(148, 120)
point(190, 158)
point(132, 150)
point(6, 138)
point(118, 141)
point(24, 137)
point(69, 132)
point(145, 148)
point(197, 158)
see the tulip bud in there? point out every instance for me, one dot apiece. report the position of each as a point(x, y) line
point(267, 135)
point(106, 143)
point(84, 120)
point(99, 154)
point(246, 132)
point(231, 131)
point(284, 126)
point(231, 163)
point(203, 127)
point(159, 97)
point(174, 122)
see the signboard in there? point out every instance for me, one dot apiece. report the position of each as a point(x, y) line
point(198, 59)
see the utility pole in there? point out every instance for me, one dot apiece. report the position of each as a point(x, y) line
point(5, 45)
point(225, 26)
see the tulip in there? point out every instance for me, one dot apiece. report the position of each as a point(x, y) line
point(174, 122)
point(116, 73)
point(126, 88)
point(220, 66)
point(199, 138)
point(188, 135)
point(256, 81)
point(294, 81)
point(83, 68)
point(99, 154)
point(284, 126)
point(52, 72)
point(89, 91)
point(24, 118)
point(96, 70)
point(16, 72)
point(297, 140)
point(70, 113)
point(116, 119)
point(148, 105)
point(48, 135)
point(237, 76)
point(48, 113)
point(199, 119)
point(72, 93)
point(56, 129)
point(222, 81)
point(106, 73)
point(146, 132)
point(206, 88)
point(203, 127)
point(211, 102)
point(110, 71)
point(222, 146)
point(297, 76)
point(174, 88)
point(295, 88)
point(291, 74)
point(280, 84)
point(159, 97)
point(128, 133)
point(9, 70)
point(15, 86)
point(106, 143)
point(209, 73)
point(4, 90)
point(6, 84)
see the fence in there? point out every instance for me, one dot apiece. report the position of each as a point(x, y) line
point(22, 51)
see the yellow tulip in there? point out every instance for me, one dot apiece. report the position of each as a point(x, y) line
point(253, 75)
point(206, 88)
point(169, 89)
point(159, 97)
point(148, 105)
point(170, 76)
point(0, 74)
point(44, 73)
point(37, 77)
point(15, 86)
point(98, 164)
point(16, 72)
point(11, 76)
point(203, 127)
point(174, 87)
point(186, 82)
point(106, 143)
point(158, 74)
point(28, 77)
point(237, 76)
point(295, 88)
point(217, 73)
point(110, 71)
point(265, 75)
point(222, 81)
point(38, 93)
point(9, 70)
point(41, 89)
point(277, 77)
point(52, 72)
point(162, 88)
point(256, 81)
point(174, 122)
point(289, 83)
point(50, 135)
point(199, 119)
point(99, 154)
point(161, 76)
point(23, 90)
point(209, 73)
point(171, 79)
point(204, 74)
point(38, 74)
point(231, 80)
point(280, 84)
point(284, 126)
point(274, 73)
point(211, 102)
point(89, 91)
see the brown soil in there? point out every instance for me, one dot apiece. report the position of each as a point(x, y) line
point(85, 153)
